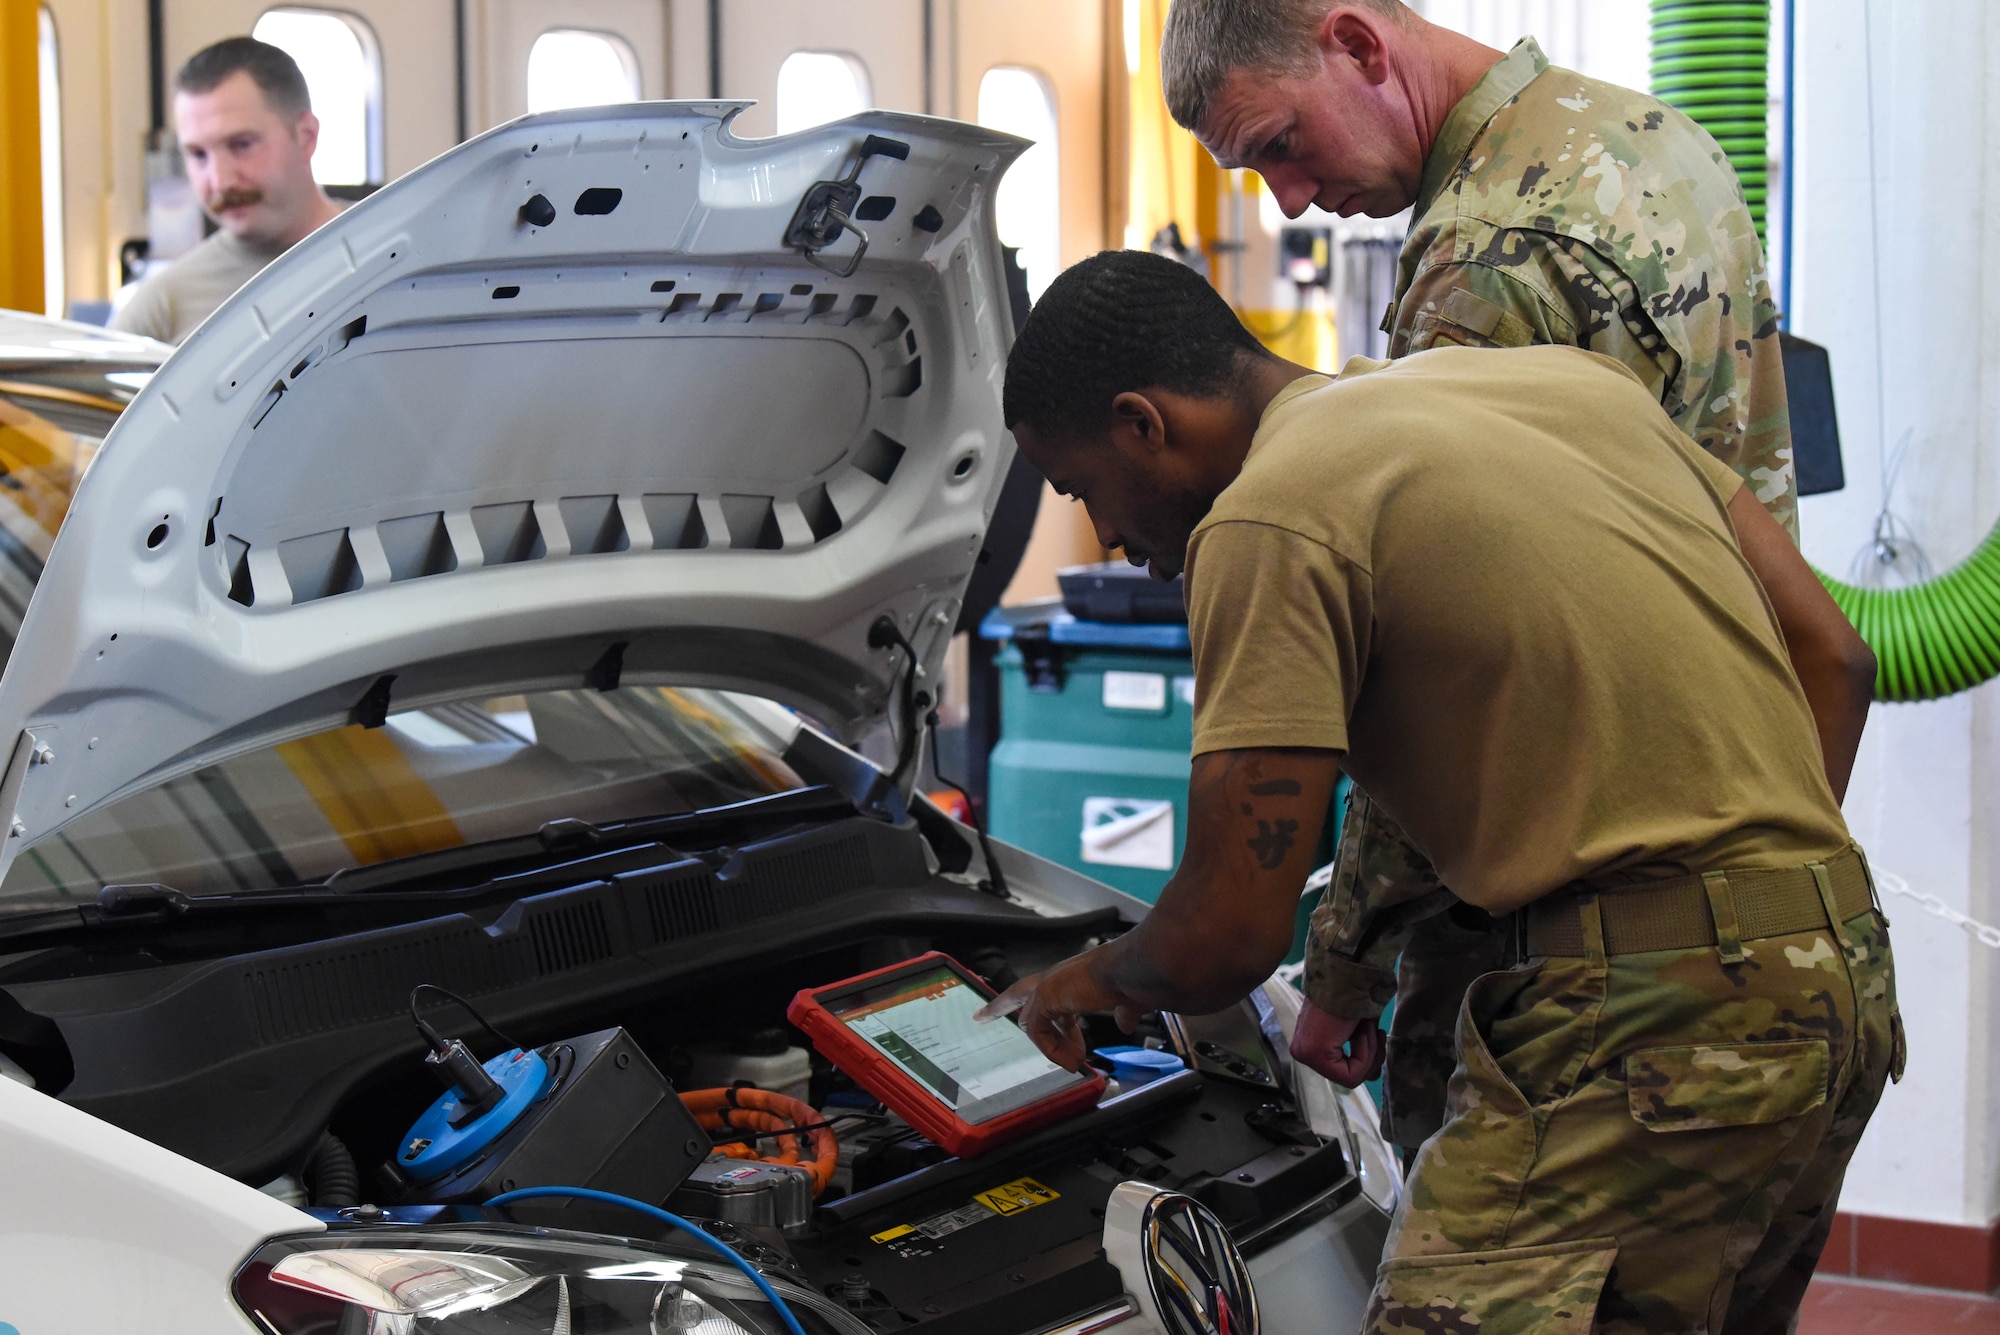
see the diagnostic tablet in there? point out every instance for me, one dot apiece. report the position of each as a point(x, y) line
point(907, 1036)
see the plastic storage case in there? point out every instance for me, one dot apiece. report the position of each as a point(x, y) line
point(1096, 720)
point(1096, 725)
point(1122, 593)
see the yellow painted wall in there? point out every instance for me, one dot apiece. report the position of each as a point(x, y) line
point(1071, 43)
point(20, 157)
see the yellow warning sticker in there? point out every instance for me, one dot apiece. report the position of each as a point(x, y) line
point(890, 1235)
point(1021, 1194)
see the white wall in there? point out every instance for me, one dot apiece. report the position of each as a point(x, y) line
point(1605, 39)
point(1923, 361)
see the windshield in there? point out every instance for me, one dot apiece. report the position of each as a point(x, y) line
point(53, 417)
point(429, 779)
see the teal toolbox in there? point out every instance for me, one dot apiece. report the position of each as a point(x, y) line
point(1091, 770)
point(1096, 720)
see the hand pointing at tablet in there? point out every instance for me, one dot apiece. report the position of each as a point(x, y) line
point(1223, 922)
point(1051, 1006)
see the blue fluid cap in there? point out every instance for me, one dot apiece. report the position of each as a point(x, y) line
point(1135, 1066)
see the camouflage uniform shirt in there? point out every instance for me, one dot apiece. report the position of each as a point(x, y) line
point(1560, 209)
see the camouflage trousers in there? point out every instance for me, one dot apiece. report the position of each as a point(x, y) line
point(1439, 961)
point(1385, 909)
point(1647, 1143)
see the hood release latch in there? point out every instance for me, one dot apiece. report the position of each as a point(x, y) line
point(827, 209)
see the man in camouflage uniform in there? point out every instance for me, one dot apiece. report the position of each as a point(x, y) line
point(1595, 680)
point(1546, 208)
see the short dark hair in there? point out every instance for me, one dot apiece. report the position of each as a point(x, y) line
point(275, 73)
point(1121, 320)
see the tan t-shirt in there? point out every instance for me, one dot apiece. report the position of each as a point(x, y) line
point(168, 305)
point(1506, 585)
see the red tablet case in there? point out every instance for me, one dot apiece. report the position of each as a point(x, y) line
point(902, 1094)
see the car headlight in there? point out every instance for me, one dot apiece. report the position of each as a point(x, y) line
point(472, 1280)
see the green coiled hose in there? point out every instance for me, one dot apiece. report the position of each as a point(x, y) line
point(1932, 639)
point(1711, 59)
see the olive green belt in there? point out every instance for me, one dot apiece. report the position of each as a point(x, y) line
point(1721, 909)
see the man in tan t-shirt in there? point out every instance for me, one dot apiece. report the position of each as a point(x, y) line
point(1590, 676)
point(247, 135)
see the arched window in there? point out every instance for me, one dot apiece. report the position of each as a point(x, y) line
point(1020, 102)
point(573, 67)
point(52, 175)
point(815, 87)
point(342, 63)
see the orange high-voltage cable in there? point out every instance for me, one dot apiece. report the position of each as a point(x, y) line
point(746, 1108)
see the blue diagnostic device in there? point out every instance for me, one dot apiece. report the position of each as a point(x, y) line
point(435, 1147)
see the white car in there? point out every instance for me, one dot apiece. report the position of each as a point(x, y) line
point(499, 594)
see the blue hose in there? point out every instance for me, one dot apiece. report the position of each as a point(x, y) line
point(701, 1235)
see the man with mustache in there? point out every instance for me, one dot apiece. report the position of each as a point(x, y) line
point(247, 134)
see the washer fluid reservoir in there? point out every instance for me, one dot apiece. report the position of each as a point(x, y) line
point(766, 1059)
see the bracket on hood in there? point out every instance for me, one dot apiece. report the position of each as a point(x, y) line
point(827, 209)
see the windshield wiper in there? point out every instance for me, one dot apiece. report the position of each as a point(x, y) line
point(569, 836)
point(520, 860)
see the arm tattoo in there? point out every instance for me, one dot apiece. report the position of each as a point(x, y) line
point(1271, 843)
point(1276, 788)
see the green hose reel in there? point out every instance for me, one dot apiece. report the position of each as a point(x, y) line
point(1932, 639)
point(1711, 59)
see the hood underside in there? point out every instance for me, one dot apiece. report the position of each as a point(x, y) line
point(587, 399)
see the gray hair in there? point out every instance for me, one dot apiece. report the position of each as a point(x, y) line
point(1206, 39)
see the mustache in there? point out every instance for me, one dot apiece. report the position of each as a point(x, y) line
point(241, 197)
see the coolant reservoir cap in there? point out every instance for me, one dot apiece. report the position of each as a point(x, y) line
point(434, 1147)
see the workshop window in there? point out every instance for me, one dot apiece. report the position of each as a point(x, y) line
point(815, 87)
point(574, 67)
point(52, 175)
point(1029, 206)
point(342, 64)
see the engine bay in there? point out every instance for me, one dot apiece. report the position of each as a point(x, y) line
point(898, 1232)
point(632, 1006)
point(901, 1234)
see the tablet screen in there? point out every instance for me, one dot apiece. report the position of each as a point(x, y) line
point(923, 1023)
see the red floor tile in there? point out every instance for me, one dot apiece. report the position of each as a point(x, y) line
point(1843, 1307)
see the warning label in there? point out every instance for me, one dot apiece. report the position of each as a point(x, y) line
point(965, 1216)
point(1021, 1194)
point(910, 1240)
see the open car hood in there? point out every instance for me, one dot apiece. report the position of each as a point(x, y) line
point(570, 405)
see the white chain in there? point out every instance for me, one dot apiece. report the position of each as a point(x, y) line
point(1986, 933)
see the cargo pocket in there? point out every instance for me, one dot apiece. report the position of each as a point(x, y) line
point(1549, 1290)
point(1467, 1179)
point(1725, 1084)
